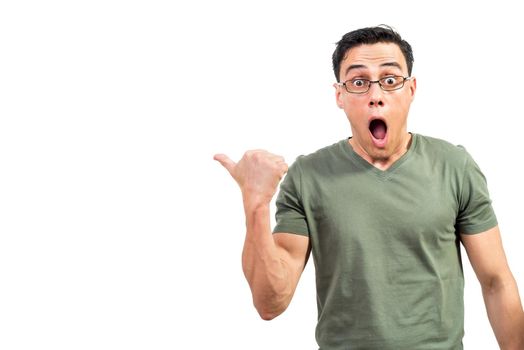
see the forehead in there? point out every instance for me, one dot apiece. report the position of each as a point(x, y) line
point(373, 57)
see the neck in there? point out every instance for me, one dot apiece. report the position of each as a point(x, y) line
point(383, 162)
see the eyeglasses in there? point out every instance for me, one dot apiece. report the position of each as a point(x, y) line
point(361, 86)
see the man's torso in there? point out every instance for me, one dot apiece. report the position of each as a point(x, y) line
point(385, 247)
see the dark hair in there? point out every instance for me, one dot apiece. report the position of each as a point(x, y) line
point(369, 36)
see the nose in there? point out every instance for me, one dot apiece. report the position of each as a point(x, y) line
point(376, 96)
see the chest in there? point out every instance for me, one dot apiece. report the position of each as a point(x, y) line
point(373, 213)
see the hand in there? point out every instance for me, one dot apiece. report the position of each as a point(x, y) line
point(257, 173)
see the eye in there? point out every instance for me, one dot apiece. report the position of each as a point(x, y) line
point(358, 82)
point(390, 81)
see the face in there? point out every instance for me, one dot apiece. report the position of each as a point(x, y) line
point(378, 118)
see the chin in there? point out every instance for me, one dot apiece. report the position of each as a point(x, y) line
point(381, 156)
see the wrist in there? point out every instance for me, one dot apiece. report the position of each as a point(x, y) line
point(255, 203)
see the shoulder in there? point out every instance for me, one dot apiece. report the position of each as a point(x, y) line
point(441, 150)
point(322, 157)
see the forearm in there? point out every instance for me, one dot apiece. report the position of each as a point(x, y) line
point(505, 313)
point(264, 268)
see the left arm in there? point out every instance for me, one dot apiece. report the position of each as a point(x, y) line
point(499, 289)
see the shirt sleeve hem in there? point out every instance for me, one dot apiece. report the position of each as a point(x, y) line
point(476, 229)
point(290, 229)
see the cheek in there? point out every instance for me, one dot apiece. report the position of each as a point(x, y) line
point(402, 109)
point(355, 108)
point(357, 120)
point(357, 114)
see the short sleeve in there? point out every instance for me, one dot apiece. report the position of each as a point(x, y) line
point(290, 215)
point(475, 214)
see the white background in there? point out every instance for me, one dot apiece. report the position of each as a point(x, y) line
point(119, 231)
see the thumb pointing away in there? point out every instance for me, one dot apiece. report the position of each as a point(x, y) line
point(225, 161)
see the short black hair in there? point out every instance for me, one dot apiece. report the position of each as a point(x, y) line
point(369, 36)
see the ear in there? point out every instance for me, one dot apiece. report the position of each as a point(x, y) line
point(413, 87)
point(338, 95)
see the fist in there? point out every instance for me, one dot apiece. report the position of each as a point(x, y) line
point(257, 173)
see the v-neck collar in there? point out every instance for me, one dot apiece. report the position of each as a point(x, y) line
point(383, 174)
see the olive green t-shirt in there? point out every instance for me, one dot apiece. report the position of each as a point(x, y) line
point(386, 243)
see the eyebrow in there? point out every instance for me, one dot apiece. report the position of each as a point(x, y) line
point(387, 64)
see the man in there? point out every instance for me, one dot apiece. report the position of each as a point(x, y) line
point(383, 213)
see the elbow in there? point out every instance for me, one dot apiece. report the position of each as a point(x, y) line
point(271, 302)
point(268, 315)
point(494, 284)
point(489, 286)
point(269, 312)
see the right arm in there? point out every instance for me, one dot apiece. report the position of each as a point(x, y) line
point(272, 263)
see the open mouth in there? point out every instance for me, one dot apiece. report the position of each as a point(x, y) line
point(378, 129)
